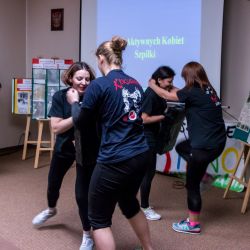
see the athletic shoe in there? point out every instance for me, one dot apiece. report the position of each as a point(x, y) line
point(185, 227)
point(151, 214)
point(43, 216)
point(87, 243)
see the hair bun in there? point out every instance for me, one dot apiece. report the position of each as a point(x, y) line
point(118, 44)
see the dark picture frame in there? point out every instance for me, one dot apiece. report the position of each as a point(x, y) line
point(57, 19)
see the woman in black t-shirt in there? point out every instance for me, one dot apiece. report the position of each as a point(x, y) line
point(78, 77)
point(153, 108)
point(207, 135)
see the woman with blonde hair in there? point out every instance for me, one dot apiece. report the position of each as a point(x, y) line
point(116, 99)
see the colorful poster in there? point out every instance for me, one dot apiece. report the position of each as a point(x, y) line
point(21, 96)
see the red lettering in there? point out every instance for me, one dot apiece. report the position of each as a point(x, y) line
point(118, 83)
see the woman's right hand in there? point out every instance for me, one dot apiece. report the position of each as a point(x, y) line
point(151, 82)
point(72, 96)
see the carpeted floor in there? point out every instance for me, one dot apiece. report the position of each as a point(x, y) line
point(23, 195)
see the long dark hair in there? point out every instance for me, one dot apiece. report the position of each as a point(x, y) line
point(193, 72)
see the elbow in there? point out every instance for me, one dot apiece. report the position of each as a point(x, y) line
point(164, 96)
point(55, 130)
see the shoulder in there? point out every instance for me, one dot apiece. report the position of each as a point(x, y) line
point(185, 91)
point(60, 93)
point(149, 93)
point(99, 83)
point(60, 98)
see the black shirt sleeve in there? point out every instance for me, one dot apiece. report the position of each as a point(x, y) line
point(148, 101)
point(183, 95)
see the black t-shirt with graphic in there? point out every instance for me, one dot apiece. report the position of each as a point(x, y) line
point(205, 124)
point(117, 98)
point(152, 105)
point(62, 109)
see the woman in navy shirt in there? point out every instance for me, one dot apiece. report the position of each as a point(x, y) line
point(207, 135)
point(116, 99)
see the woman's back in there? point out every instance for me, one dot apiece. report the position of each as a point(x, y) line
point(118, 98)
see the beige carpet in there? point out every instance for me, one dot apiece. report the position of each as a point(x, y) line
point(23, 194)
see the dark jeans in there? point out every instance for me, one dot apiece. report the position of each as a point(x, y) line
point(148, 177)
point(115, 183)
point(197, 163)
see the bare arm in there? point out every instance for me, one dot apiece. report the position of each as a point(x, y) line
point(151, 119)
point(60, 125)
point(168, 95)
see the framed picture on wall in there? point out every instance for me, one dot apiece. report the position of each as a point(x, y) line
point(57, 19)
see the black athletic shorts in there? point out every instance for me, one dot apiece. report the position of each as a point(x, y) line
point(115, 183)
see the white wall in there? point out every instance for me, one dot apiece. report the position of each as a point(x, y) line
point(65, 44)
point(12, 64)
point(236, 54)
point(23, 38)
point(41, 41)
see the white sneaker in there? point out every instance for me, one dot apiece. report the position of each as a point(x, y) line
point(87, 243)
point(151, 214)
point(43, 216)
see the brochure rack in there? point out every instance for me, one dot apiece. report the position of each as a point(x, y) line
point(46, 80)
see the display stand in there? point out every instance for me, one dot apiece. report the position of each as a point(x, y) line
point(246, 152)
point(242, 133)
point(39, 142)
point(39, 146)
point(46, 81)
point(26, 137)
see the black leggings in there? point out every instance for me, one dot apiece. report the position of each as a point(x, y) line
point(83, 176)
point(197, 163)
point(148, 177)
point(58, 168)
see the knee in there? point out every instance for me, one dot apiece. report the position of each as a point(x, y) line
point(129, 208)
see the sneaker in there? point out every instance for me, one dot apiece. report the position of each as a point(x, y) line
point(43, 216)
point(151, 214)
point(87, 243)
point(185, 227)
